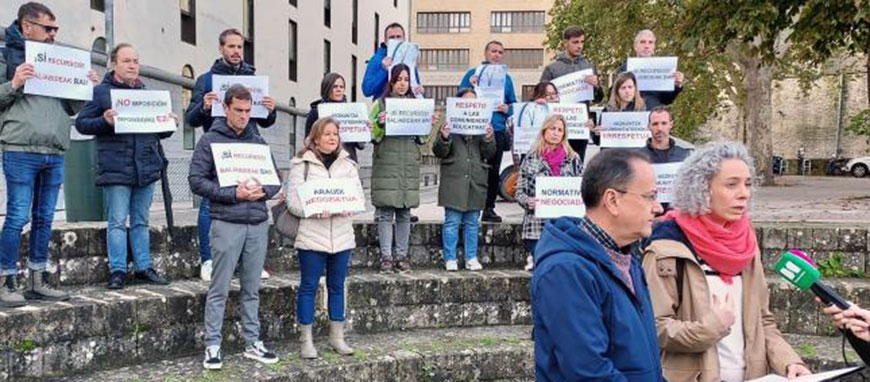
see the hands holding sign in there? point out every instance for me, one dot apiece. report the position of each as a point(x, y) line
point(250, 189)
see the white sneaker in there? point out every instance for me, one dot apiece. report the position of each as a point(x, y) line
point(473, 265)
point(212, 359)
point(451, 265)
point(265, 274)
point(258, 352)
point(530, 263)
point(205, 271)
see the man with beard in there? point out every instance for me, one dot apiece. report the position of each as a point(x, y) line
point(661, 148)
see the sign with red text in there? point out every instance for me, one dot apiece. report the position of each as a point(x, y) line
point(573, 87)
point(557, 196)
point(333, 195)
point(257, 85)
point(624, 129)
point(409, 116)
point(241, 162)
point(353, 119)
point(528, 120)
point(666, 175)
point(469, 116)
point(59, 71)
point(142, 111)
point(653, 73)
point(576, 116)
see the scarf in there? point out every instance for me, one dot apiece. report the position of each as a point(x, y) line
point(727, 249)
point(554, 159)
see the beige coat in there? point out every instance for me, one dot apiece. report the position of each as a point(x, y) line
point(688, 331)
point(331, 235)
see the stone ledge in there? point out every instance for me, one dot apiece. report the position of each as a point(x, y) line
point(797, 312)
point(825, 353)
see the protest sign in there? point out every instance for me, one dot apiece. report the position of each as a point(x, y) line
point(403, 52)
point(491, 81)
point(333, 195)
point(666, 174)
point(528, 119)
point(653, 73)
point(469, 116)
point(557, 196)
point(142, 111)
point(240, 162)
point(409, 116)
point(59, 71)
point(353, 119)
point(576, 116)
point(257, 85)
point(624, 129)
point(573, 88)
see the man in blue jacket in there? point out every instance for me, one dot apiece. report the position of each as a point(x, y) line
point(378, 67)
point(493, 53)
point(591, 308)
point(199, 114)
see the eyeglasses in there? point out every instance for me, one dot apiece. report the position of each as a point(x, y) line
point(651, 197)
point(46, 28)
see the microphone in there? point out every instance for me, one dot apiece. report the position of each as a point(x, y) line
point(798, 269)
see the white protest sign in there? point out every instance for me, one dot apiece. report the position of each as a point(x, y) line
point(624, 129)
point(333, 195)
point(576, 116)
point(666, 174)
point(557, 196)
point(257, 85)
point(573, 88)
point(528, 119)
point(59, 71)
point(142, 111)
point(240, 162)
point(491, 81)
point(353, 120)
point(403, 52)
point(469, 116)
point(409, 116)
point(653, 73)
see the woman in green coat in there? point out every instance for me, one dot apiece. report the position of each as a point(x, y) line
point(462, 191)
point(395, 176)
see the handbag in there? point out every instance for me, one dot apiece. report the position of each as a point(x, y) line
point(287, 224)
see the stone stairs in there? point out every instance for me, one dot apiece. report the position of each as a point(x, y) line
point(427, 325)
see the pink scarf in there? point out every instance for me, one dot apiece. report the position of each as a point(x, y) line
point(554, 159)
point(727, 249)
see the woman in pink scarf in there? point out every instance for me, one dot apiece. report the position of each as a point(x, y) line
point(706, 279)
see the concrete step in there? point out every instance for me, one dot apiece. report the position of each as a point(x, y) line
point(98, 328)
point(500, 353)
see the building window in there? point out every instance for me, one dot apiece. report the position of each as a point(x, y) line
point(523, 58)
point(248, 30)
point(440, 93)
point(293, 126)
point(377, 30)
point(354, 26)
point(443, 22)
point(327, 57)
point(527, 93)
point(395, 3)
point(99, 46)
point(293, 3)
point(443, 59)
point(293, 52)
point(188, 21)
point(327, 13)
point(188, 132)
point(517, 22)
point(353, 79)
point(98, 5)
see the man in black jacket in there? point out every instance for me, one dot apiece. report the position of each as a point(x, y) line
point(645, 46)
point(199, 114)
point(661, 148)
point(239, 231)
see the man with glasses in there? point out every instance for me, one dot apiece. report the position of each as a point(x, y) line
point(34, 134)
point(592, 315)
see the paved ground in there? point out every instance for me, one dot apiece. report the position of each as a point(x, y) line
point(793, 199)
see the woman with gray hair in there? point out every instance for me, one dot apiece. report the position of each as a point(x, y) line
point(706, 279)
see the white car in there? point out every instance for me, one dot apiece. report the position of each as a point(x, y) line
point(859, 167)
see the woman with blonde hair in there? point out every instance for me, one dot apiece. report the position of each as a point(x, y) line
point(324, 241)
point(706, 279)
point(551, 155)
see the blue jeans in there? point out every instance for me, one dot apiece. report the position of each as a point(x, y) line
point(135, 202)
point(311, 264)
point(450, 232)
point(204, 225)
point(32, 184)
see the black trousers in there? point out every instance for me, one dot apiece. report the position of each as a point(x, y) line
point(494, 179)
point(579, 146)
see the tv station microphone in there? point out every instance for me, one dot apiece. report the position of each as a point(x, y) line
point(797, 268)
